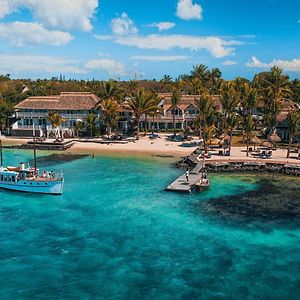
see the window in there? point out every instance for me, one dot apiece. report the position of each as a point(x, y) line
point(176, 112)
point(192, 111)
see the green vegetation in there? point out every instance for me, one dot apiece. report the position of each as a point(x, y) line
point(142, 102)
point(293, 121)
point(55, 120)
point(240, 99)
point(175, 99)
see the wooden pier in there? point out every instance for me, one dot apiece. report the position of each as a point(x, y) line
point(53, 146)
point(184, 186)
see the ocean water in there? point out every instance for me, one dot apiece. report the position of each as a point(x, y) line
point(115, 234)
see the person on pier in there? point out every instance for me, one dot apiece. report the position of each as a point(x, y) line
point(187, 173)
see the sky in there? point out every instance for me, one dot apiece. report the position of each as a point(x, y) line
point(142, 39)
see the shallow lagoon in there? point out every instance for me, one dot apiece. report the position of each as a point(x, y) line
point(115, 234)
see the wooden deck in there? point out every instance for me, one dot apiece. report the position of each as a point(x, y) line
point(53, 146)
point(184, 186)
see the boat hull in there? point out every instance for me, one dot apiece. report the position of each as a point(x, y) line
point(54, 187)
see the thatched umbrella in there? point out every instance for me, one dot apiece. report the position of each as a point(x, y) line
point(266, 144)
point(274, 138)
point(255, 141)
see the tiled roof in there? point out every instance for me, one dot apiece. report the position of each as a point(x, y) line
point(187, 100)
point(65, 101)
point(286, 107)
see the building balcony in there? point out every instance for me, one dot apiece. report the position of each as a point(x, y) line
point(37, 115)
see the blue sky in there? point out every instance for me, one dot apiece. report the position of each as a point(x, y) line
point(130, 39)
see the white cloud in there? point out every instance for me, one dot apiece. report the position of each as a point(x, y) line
point(163, 25)
point(216, 46)
point(288, 65)
point(255, 63)
point(160, 58)
point(66, 14)
point(17, 64)
point(21, 33)
point(5, 8)
point(187, 10)
point(23, 64)
point(229, 63)
point(123, 25)
point(110, 66)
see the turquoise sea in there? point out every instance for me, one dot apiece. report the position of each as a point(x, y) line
point(115, 234)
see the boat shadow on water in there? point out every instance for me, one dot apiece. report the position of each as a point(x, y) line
point(58, 158)
point(274, 202)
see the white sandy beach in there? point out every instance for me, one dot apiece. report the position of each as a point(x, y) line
point(161, 147)
point(144, 146)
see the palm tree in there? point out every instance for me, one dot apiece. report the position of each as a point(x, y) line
point(6, 109)
point(215, 76)
point(293, 120)
point(229, 99)
point(232, 122)
point(56, 121)
point(175, 100)
point(201, 71)
point(90, 122)
point(248, 129)
point(78, 126)
point(156, 100)
point(249, 98)
point(275, 86)
point(295, 88)
point(206, 117)
point(141, 103)
point(167, 82)
point(109, 114)
point(131, 87)
point(195, 86)
point(109, 90)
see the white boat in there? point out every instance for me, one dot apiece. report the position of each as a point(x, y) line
point(26, 179)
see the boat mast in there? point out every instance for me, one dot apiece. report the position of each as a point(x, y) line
point(34, 151)
point(1, 155)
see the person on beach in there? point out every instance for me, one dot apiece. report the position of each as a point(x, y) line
point(187, 175)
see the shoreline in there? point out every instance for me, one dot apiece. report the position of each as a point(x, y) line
point(161, 148)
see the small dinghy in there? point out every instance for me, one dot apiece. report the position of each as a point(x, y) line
point(203, 183)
